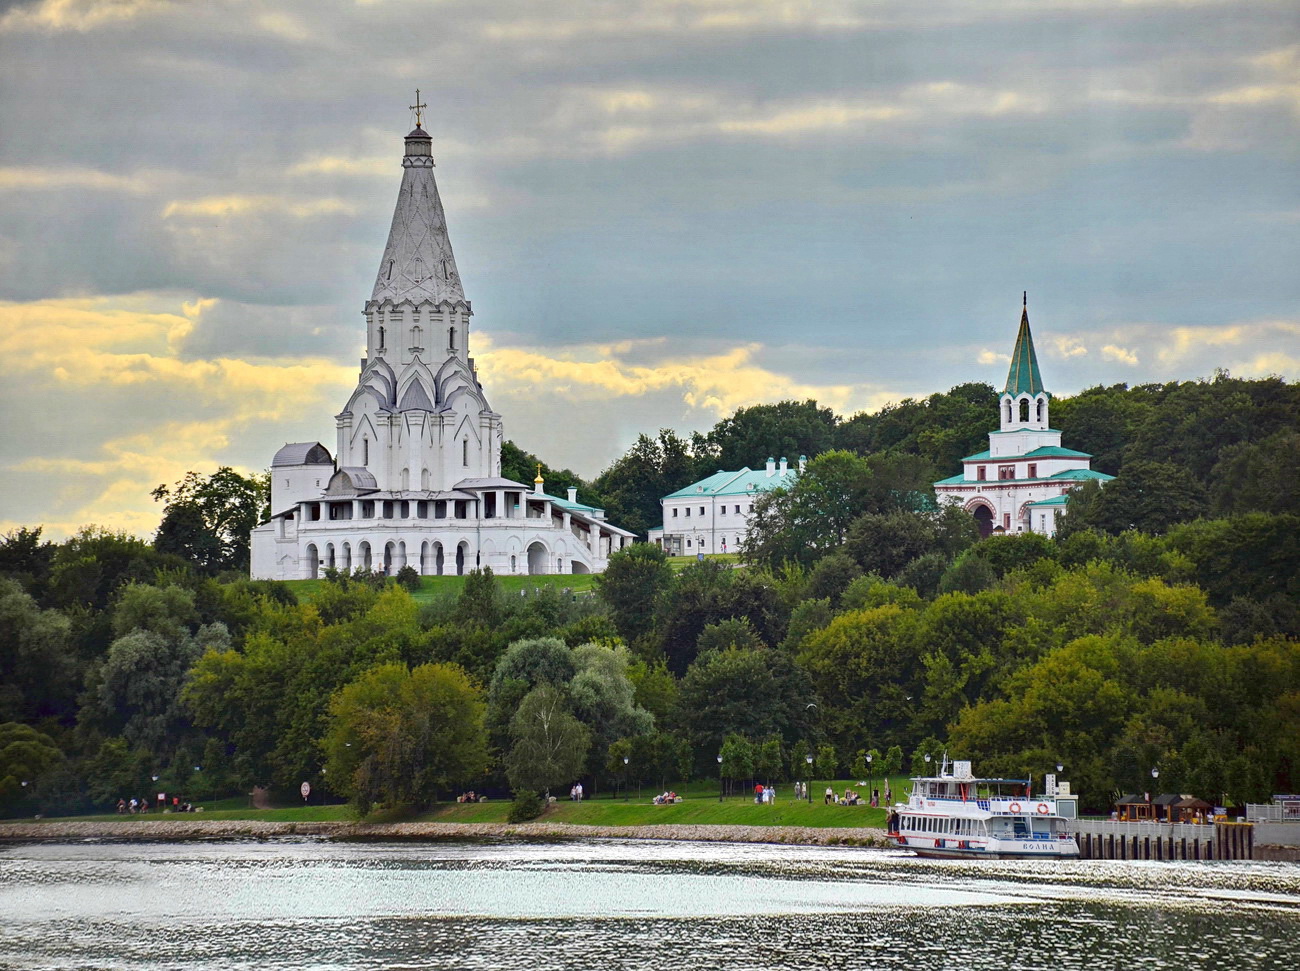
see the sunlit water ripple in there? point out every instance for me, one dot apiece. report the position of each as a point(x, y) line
point(620, 904)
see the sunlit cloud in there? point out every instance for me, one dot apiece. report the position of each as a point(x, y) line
point(1121, 355)
point(1065, 346)
point(37, 179)
point(79, 15)
point(234, 205)
point(986, 356)
point(718, 383)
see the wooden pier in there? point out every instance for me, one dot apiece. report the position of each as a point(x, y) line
point(1112, 840)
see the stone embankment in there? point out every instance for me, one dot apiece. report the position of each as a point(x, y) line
point(167, 829)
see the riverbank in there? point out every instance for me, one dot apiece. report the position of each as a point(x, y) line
point(191, 829)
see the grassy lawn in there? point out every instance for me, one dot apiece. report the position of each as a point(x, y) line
point(700, 805)
point(291, 814)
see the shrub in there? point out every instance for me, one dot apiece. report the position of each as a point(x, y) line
point(527, 805)
point(408, 577)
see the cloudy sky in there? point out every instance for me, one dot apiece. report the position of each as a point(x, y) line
point(661, 210)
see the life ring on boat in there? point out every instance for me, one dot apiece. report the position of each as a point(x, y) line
point(1014, 807)
point(1043, 809)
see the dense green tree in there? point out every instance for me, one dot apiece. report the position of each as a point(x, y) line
point(398, 736)
point(633, 581)
point(751, 693)
point(26, 755)
point(811, 517)
point(884, 543)
point(548, 744)
point(655, 689)
point(651, 469)
point(939, 429)
point(785, 429)
point(1147, 496)
point(865, 668)
point(26, 558)
point(38, 673)
point(831, 576)
point(710, 592)
point(734, 632)
point(525, 665)
point(604, 698)
point(207, 519)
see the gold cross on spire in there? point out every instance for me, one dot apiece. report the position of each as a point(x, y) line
point(418, 108)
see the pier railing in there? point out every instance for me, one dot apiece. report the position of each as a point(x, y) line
point(1148, 840)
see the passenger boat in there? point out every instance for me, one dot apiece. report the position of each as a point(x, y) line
point(955, 814)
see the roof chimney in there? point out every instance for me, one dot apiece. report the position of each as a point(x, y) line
point(783, 465)
point(803, 462)
point(771, 466)
point(573, 494)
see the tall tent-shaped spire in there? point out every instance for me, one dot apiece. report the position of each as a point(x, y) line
point(418, 264)
point(1023, 377)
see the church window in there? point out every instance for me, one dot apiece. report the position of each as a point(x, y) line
point(464, 452)
point(416, 333)
point(688, 512)
point(365, 451)
point(674, 512)
point(1006, 520)
point(444, 270)
point(1006, 472)
point(406, 479)
point(688, 544)
point(1024, 409)
point(737, 509)
point(723, 511)
point(701, 510)
point(389, 275)
point(451, 338)
point(1006, 410)
point(1041, 405)
point(1033, 470)
point(381, 338)
point(980, 473)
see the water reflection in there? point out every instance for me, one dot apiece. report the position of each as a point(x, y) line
point(315, 904)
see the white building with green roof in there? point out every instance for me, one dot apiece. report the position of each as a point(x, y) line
point(415, 479)
point(1021, 482)
point(712, 515)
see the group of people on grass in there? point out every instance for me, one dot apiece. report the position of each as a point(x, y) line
point(141, 805)
point(471, 796)
point(667, 798)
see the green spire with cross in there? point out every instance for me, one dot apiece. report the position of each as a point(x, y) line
point(1023, 378)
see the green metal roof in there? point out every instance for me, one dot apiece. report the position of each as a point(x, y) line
point(1054, 501)
point(1023, 378)
point(1042, 452)
point(746, 482)
point(954, 480)
point(564, 503)
point(1083, 474)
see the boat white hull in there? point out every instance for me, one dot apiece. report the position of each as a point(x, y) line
point(991, 849)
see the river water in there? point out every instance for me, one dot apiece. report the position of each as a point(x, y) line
point(504, 905)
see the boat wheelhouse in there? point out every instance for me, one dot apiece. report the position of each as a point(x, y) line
point(955, 814)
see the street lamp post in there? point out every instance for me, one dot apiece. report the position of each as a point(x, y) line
point(808, 785)
point(625, 761)
point(871, 781)
point(719, 777)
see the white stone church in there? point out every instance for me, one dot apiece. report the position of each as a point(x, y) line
point(1022, 482)
point(417, 475)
